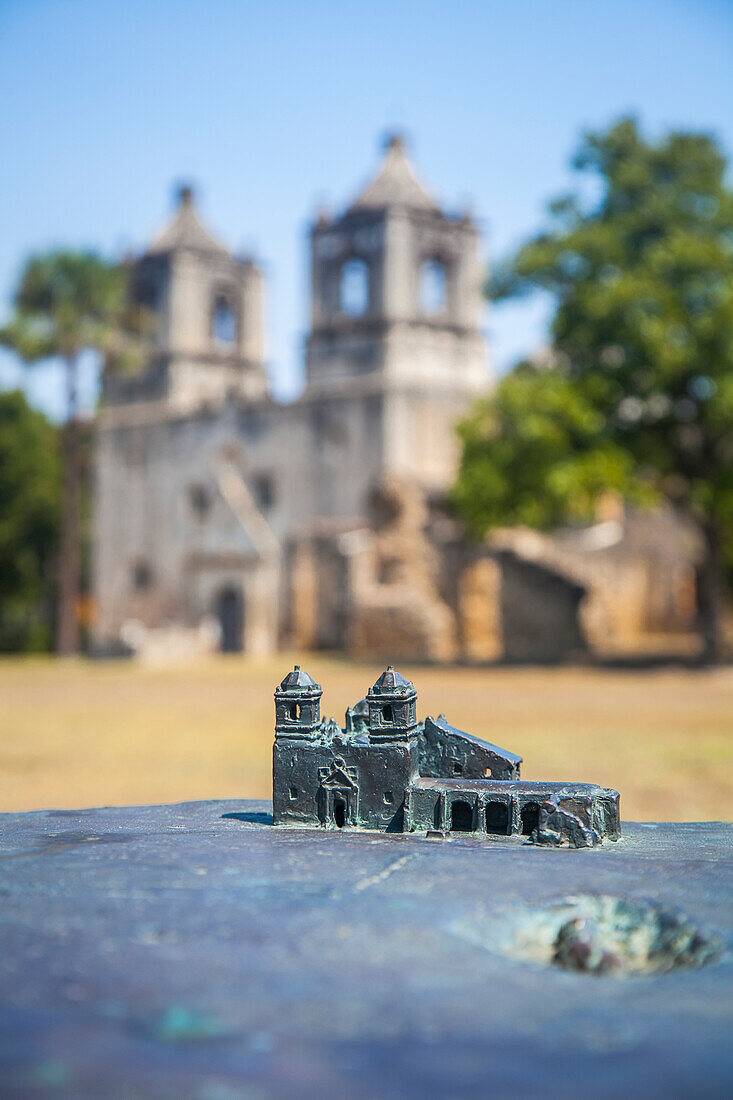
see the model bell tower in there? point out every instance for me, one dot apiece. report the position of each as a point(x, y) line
point(392, 709)
point(297, 707)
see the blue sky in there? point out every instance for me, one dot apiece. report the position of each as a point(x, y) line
point(272, 107)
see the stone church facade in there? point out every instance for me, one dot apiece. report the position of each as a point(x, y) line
point(320, 522)
point(204, 483)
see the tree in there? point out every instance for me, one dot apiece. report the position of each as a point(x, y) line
point(68, 303)
point(30, 490)
point(638, 394)
point(535, 453)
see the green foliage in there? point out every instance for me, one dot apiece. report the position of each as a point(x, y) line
point(69, 302)
point(639, 396)
point(29, 522)
point(535, 453)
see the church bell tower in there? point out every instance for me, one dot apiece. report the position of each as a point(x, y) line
point(206, 305)
point(397, 305)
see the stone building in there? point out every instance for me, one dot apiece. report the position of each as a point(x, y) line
point(205, 485)
point(404, 584)
point(220, 512)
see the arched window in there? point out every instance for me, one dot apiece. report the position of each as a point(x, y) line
point(200, 499)
point(224, 324)
point(354, 288)
point(433, 287)
point(142, 576)
point(264, 491)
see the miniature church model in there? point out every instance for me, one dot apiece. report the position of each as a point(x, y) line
point(387, 771)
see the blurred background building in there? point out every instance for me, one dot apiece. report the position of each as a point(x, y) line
point(223, 518)
point(205, 486)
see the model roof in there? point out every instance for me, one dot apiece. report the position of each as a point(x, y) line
point(392, 682)
point(441, 723)
point(299, 680)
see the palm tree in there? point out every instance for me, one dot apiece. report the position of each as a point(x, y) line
point(68, 303)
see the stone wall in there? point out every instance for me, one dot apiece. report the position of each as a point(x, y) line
point(479, 610)
point(397, 588)
point(638, 569)
point(396, 606)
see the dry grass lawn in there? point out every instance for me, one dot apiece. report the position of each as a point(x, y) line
point(77, 734)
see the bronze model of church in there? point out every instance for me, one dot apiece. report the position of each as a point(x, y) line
point(388, 772)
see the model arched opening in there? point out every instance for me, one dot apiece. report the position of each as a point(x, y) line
point(461, 817)
point(497, 818)
point(530, 818)
point(354, 288)
point(433, 287)
point(230, 613)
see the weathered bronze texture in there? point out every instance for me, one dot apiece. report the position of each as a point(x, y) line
point(389, 772)
point(193, 951)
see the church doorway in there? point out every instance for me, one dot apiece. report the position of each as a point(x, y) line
point(230, 613)
point(338, 807)
point(339, 813)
